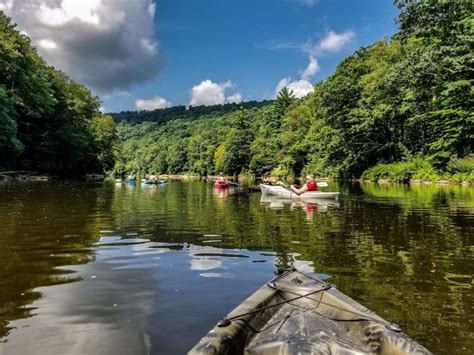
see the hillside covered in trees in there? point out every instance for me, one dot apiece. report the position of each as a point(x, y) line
point(399, 109)
point(182, 112)
point(48, 123)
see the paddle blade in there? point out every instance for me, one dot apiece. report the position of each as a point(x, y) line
point(323, 184)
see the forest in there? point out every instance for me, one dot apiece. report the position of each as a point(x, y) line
point(48, 123)
point(399, 109)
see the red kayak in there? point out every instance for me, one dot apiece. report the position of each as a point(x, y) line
point(221, 184)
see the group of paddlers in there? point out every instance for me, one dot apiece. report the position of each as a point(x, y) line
point(149, 177)
point(310, 184)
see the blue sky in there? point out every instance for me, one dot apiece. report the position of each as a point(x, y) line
point(227, 50)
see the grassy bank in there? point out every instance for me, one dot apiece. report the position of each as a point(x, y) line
point(419, 169)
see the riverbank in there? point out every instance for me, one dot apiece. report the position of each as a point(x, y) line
point(23, 176)
point(418, 182)
point(243, 178)
point(421, 171)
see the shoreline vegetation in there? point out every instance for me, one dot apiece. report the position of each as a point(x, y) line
point(50, 125)
point(251, 178)
point(400, 109)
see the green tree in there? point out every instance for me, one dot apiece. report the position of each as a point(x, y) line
point(48, 123)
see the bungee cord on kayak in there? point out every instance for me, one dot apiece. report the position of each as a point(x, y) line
point(227, 321)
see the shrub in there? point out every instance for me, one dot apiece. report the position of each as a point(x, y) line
point(415, 168)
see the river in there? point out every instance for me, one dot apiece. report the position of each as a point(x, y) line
point(120, 269)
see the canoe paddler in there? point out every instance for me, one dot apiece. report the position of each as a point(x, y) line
point(131, 177)
point(310, 185)
point(222, 179)
point(152, 177)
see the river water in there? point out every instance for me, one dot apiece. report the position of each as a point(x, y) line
point(122, 269)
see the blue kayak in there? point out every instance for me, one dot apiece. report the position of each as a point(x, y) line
point(159, 182)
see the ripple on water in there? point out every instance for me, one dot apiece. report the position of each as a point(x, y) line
point(170, 262)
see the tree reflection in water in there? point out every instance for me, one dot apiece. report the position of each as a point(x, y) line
point(405, 252)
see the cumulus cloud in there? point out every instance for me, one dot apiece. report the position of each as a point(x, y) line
point(303, 86)
point(311, 69)
point(300, 87)
point(155, 103)
point(6, 5)
point(106, 44)
point(332, 42)
point(209, 93)
point(335, 41)
point(236, 99)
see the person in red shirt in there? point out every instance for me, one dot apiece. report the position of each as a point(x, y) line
point(311, 185)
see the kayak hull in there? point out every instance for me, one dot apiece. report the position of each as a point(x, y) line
point(282, 192)
point(158, 182)
point(296, 313)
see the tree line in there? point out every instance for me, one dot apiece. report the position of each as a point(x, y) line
point(400, 108)
point(48, 122)
point(164, 115)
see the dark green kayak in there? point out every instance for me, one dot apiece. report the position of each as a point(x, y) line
point(296, 313)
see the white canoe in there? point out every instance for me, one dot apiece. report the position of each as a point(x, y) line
point(280, 191)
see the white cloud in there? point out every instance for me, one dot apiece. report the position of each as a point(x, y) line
point(300, 88)
point(281, 84)
point(331, 43)
point(152, 104)
point(303, 86)
point(108, 45)
point(210, 93)
point(311, 69)
point(152, 9)
point(84, 10)
point(47, 44)
point(6, 5)
point(236, 98)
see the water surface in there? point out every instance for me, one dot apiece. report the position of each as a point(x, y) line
point(123, 269)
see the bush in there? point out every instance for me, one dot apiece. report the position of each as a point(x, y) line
point(461, 169)
point(416, 168)
point(281, 172)
point(420, 168)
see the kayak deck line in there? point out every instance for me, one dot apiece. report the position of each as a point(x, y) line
point(281, 191)
point(296, 313)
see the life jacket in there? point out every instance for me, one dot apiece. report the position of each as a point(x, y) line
point(312, 186)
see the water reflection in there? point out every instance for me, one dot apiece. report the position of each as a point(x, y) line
point(152, 268)
point(320, 205)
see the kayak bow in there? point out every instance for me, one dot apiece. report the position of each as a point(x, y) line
point(296, 313)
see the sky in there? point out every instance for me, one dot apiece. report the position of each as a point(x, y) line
point(148, 54)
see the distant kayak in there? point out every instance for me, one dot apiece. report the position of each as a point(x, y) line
point(157, 182)
point(296, 313)
point(221, 184)
point(283, 192)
